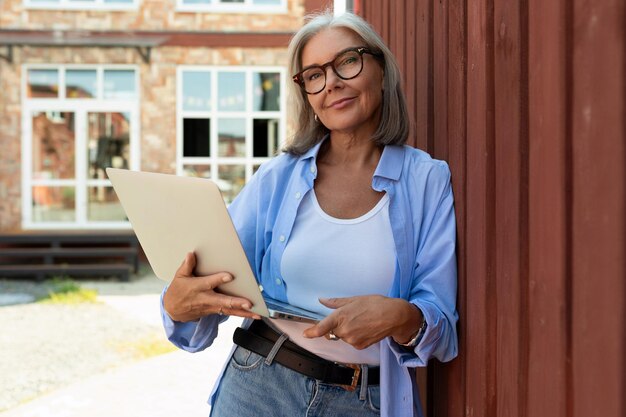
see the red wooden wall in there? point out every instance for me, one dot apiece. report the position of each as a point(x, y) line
point(526, 99)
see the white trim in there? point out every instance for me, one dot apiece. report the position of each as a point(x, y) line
point(96, 5)
point(80, 108)
point(247, 7)
point(339, 7)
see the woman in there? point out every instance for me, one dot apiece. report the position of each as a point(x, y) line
point(348, 223)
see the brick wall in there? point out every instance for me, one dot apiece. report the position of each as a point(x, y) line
point(157, 105)
point(151, 15)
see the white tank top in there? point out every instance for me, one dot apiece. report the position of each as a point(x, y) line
point(328, 257)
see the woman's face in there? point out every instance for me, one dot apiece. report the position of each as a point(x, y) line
point(347, 106)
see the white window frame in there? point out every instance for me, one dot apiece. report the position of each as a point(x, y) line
point(246, 7)
point(214, 160)
point(77, 5)
point(81, 107)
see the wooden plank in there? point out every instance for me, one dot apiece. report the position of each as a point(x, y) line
point(511, 247)
point(448, 385)
point(67, 252)
point(598, 208)
point(480, 314)
point(548, 315)
point(419, 47)
point(41, 271)
point(440, 78)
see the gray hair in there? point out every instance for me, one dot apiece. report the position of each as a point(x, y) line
point(394, 124)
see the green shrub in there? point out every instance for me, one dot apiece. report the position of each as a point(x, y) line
point(64, 290)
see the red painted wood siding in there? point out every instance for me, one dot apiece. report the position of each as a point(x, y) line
point(526, 99)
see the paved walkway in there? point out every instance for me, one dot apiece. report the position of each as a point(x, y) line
point(173, 384)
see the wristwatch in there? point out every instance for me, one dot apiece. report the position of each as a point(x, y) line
point(418, 336)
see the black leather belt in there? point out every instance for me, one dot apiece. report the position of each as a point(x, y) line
point(260, 339)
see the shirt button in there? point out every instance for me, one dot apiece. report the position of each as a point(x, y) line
point(298, 194)
point(278, 281)
point(312, 169)
point(282, 238)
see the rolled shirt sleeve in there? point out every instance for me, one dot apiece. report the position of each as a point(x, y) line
point(192, 336)
point(435, 282)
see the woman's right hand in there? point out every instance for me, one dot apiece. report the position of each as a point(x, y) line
point(189, 297)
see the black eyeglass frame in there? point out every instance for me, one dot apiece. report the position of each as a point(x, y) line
point(298, 79)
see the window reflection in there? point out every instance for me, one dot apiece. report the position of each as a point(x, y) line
point(231, 179)
point(196, 90)
point(197, 170)
point(231, 137)
point(80, 83)
point(108, 142)
point(103, 205)
point(53, 145)
point(231, 91)
point(43, 83)
point(266, 91)
point(119, 84)
point(54, 204)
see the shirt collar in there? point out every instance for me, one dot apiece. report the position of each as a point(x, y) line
point(391, 163)
point(312, 153)
point(389, 166)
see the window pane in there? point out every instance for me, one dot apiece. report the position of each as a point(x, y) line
point(80, 84)
point(232, 91)
point(202, 171)
point(266, 91)
point(196, 90)
point(108, 142)
point(54, 204)
point(265, 137)
point(231, 180)
point(267, 2)
point(103, 205)
point(119, 84)
point(196, 137)
point(43, 83)
point(231, 1)
point(53, 145)
point(119, 1)
point(231, 137)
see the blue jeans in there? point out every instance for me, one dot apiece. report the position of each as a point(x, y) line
point(251, 388)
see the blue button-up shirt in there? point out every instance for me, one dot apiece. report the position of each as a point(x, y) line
point(421, 212)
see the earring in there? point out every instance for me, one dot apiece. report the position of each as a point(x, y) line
point(317, 119)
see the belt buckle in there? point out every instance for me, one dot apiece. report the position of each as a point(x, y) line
point(355, 377)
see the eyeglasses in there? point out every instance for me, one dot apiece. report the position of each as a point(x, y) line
point(348, 64)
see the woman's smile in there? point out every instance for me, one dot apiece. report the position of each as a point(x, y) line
point(341, 103)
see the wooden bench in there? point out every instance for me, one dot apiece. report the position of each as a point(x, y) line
point(82, 253)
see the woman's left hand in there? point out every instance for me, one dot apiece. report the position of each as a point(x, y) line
point(364, 320)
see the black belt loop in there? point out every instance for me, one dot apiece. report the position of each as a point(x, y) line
point(261, 339)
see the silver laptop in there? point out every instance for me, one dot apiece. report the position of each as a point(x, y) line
point(174, 215)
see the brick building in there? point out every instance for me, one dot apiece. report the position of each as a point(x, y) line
point(192, 87)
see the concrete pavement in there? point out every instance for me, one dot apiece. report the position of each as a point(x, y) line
point(173, 384)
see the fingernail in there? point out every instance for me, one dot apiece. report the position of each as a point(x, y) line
point(246, 306)
point(227, 278)
point(257, 317)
